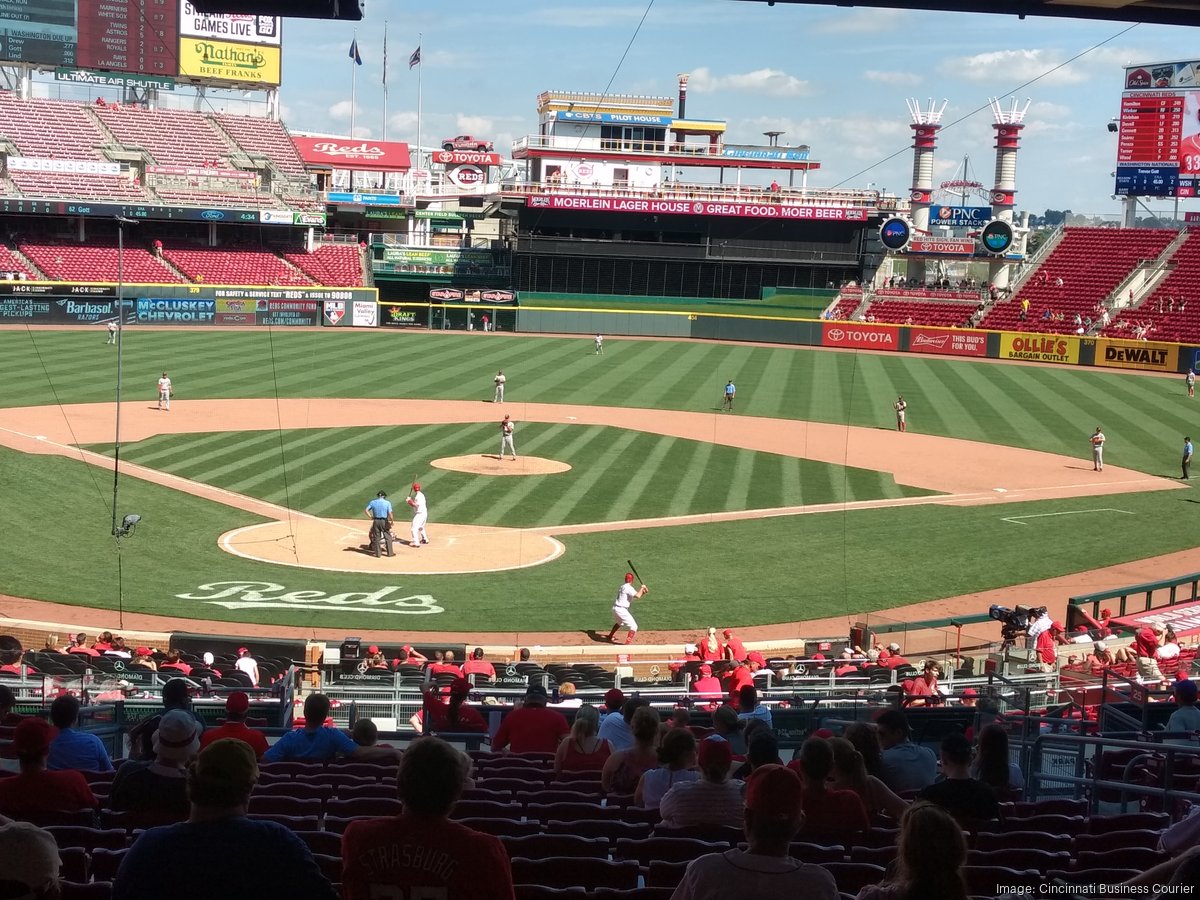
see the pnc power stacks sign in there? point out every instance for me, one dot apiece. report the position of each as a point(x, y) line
point(1052, 348)
point(241, 49)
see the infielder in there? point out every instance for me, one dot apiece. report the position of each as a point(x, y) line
point(499, 381)
point(1097, 441)
point(420, 515)
point(1187, 458)
point(901, 408)
point(1190, 380)
point(599, 345)
point(626, 594)
point(112, 332)
point(727, 397)
point(506, 437)
point(380, 512)
point(164, 392)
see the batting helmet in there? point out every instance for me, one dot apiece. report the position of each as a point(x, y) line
point(416, 485)
point(628, 577)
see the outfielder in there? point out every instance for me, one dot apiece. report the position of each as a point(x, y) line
point(626, 594)
point(506, 437)
point(112, 332)
point(1190, 380)
point(901, 408)
point(599, 345)
point(164, 392)
point(499, 381)
point(420, 515)
point(1097, 440)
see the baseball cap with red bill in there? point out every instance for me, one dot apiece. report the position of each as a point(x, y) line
point(714, 753)
point(373, 649)
point(755, 656)
point(774, 792)
point(237, 703)
point(142, 651)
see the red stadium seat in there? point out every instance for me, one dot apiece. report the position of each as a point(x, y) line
point(852, 877)
point(646, 850)
point(566, 871)
point(105, 863)
point(536, 846)
point(74, 863)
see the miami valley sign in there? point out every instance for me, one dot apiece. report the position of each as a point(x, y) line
point(268, 595)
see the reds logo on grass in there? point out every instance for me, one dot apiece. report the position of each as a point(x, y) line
point(268, 595)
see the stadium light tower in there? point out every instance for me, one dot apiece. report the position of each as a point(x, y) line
point(926, 122)
point(1008, 123)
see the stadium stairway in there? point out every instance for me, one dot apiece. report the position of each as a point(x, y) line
point(1182, 281)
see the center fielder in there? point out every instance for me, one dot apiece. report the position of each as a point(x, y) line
point(599, 345)
point(506, 437)
point(499, 382)
point(626, 594)
point(164, 392)
point(420, 515)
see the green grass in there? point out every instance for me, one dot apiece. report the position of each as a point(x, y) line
point(333, 472)
point(755, 571)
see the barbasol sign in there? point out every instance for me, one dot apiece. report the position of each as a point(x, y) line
point(960, 216)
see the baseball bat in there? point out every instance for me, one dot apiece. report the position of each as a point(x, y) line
point(634, 571)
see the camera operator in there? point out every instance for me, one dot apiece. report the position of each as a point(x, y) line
point(1039, 622)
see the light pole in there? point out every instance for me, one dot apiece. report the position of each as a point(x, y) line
point(121, 223)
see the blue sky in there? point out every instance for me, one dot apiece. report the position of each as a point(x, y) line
point(830, 77)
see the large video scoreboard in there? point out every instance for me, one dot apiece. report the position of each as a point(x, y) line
point(1158, 148)
point(165, 38)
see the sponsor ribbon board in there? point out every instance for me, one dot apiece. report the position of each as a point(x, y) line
point(860, 336)
point(1054, 348)
point(947, 341)
point(941, 246)
point(699, 208)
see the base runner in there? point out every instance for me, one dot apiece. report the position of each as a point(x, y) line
point(626, 594)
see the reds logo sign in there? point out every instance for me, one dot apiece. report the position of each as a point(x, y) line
point(468, 176)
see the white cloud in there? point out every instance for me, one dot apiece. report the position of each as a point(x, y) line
point(895, 79)
point(860, 21)
point(480, 126)
point(342, 110)
point(361, 131)
point(1012, 67)
point(771, 82)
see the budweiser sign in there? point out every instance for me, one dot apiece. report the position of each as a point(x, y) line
point(948, 341)
point(860, 337)
point(445, 294)
point(465, 158)
point(344, 153)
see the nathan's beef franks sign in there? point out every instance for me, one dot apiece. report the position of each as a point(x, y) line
point(699, 208)
point(348, 153)
point(860, 336)
point(948, 341)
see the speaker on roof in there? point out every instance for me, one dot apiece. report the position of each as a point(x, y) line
point(346, 10)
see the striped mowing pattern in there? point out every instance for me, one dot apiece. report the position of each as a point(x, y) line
point(616, 474)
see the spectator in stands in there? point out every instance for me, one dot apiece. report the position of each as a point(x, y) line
point(143, 658)
point(478, 666)
point(410, 657)
point(248, 664)
point(365, 733)
point(830, 815)
point(890, 656)
point(262, 858)
point(36, 790)
point(237, 708)
point(865, 738)
point(709, 648)
point(567, 697)
point(8, 700)
point(903, 765)
point(79, 645)
point(1101, 656)
point(531, 727)
point(453, 715)
point(1168, 643)
point(316, 741)
point(739, 677)
point(72, 748)
point(446, 666)
point(750, 708)
point(1142, 653)
point(11, 652)
point(583, 750)
point(764, 870)
point(992, 767)
point(931, 853)
point(850, 774)
point(734, 648)
point(624, 768)
point(1186, 717)
point(713, 799)
point(29, 862)
point(616, 726)
point(727, 726)
point(160, 787)
point(118, 650)
point(376, 662)
point(923, 691)
point(970, 801)
point(175, 695)
point(707, 686)
point(421, 852)
point(676, 764)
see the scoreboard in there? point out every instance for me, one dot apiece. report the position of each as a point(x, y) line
point(140, 37)
point(1158, 149)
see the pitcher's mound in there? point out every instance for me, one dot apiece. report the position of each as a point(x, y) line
point(489, 464)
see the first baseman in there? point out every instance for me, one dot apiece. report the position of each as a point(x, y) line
point(506, 437)
point(626, 594)
point(164, 392)
point(420, 515)
point(901, 408)
point(499, 381)
point(1097, 441)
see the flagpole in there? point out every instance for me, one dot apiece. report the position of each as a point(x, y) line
point(420, 71)
point(385, 87)
point(353, 84)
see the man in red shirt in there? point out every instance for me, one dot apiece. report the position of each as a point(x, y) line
point(532, 728)
point(35, 790)
point(737, 678)
point(707, 686)
point(1045, 643)
point(836, 816)
point(444, 665)
point(924, 687)
point(734, 648)
point(79, 645)
point(477, 665)
point(237, 706)
point(438, 715)
point(421, 853)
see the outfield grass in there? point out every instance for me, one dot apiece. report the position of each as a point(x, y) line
point(333, 472)
point(742, 572)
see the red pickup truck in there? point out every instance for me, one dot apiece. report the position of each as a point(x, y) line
point(466, 142)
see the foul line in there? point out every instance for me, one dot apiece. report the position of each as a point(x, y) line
point(1071, 512)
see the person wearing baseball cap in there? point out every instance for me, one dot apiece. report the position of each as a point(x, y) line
point(707, 686)
point(159, 788)
point(219, 851)
point(532, 728)
point(246, 663)
point(765, 868)
point(453, 715)
point(626, 594)
point(734, 648)
point(420, 508)
point(36, 790)
point(382, 517)
point(237, 708)
point(29, 862)
point(716, 799)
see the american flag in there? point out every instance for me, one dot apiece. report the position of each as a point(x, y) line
point(415, 59)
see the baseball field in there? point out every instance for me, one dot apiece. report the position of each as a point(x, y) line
point(803, 503)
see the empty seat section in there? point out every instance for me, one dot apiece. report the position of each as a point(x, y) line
point(173, 137)
point(264, 137)
point(337, 265)
point(232, 265)
point(97, 260)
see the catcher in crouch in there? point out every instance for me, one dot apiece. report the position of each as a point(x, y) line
point(626, 594)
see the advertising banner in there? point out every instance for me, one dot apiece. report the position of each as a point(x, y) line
point(112, 79)
point(275, 216)
point(466, 158)
point(355, 154)
point(335, 311)
point(240, 305)
point(309, 218)
point(244, 29)
point(365, 314)
point(860, 336)
point(1137, 355)
point(960, 216)
point(175, 312)
point(941, 247)
point(402, 317)
point(699, 208)
point(235, 318)
point(615, 118)
point(948, 341)
point(460, 215)
point(223, 61)
point(70, 166)
point(1055, 348)
point(364, 199)
point(411, 259)
point(201, 172)
point(467, 176)
point(781, 154)
point(445, 294)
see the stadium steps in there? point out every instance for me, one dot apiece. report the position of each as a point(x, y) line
point(170, 265)
point(30, 267)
